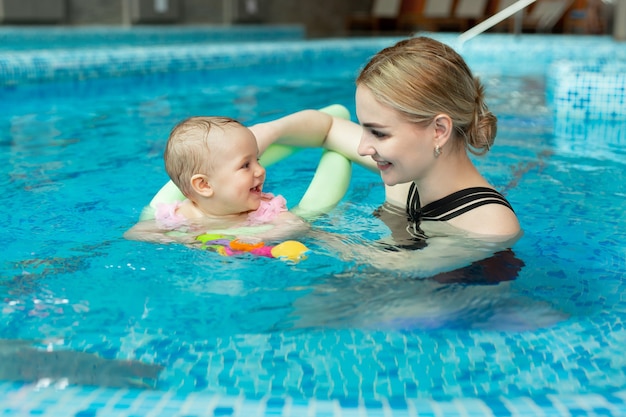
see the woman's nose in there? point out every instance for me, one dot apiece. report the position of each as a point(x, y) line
point(365, 147)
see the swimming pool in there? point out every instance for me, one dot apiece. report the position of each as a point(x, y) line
point(251, 336)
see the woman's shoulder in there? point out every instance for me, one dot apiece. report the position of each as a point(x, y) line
point(490, 214)
point(489, 219)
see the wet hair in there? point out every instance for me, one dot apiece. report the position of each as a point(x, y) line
point(421, 78)
point(188, 149)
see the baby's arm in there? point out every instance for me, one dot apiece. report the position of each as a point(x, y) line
point(284, 226)
point(148, 231)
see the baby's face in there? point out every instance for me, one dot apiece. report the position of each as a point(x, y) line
point(237, 178)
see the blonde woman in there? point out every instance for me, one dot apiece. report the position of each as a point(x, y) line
point(421, 112)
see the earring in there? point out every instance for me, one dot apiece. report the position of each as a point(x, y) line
point(437, 151)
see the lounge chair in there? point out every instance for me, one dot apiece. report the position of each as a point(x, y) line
point(507, 24)
point(544, 15)
point(468, 12)
point(435, 15)
point(541, 16)
point(429, 15)
point(383, 14)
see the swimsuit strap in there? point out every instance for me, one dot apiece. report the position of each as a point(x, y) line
point(452, 205)
point(413, 205)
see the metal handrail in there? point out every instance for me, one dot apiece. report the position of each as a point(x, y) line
point(494, 20)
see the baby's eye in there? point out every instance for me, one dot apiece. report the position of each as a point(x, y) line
point(246, 165)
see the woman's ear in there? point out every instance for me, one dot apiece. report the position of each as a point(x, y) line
point(443, 129)
point(201, 185)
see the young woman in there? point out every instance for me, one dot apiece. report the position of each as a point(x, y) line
point(421, 112)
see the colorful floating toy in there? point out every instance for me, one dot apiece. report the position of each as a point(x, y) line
point(289, 250)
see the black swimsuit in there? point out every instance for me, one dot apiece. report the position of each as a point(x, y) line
point(502, 266)
point(441, 210)
point(452, 205)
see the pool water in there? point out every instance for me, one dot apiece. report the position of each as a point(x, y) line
point(237, 335)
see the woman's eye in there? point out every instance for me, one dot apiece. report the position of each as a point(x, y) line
point(377, 133)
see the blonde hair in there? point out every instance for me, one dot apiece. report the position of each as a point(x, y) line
point(420, 78)
point(188, 151)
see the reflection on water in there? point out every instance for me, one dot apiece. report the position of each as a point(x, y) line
point(597, 139)
point(478, 296)
point(502, 266)
point(454, 281)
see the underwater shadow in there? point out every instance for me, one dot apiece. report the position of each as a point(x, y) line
point(20, 361)
point(477, 296)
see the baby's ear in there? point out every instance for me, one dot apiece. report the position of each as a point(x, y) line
point(201, 185)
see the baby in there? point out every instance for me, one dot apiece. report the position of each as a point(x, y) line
point(214, 163)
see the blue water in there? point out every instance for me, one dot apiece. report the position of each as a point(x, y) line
point(82, 159)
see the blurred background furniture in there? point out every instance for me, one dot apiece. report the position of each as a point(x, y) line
point(544, 15)
point(32, 11)
point(320, 18)
point(152, 11)
point(442, 15)
point(384, 14)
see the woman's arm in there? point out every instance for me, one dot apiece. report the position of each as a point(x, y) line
point(313, 128)
point(310, 129)
point(285, 226)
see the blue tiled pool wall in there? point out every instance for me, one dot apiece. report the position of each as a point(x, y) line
point(315, 58)
point(128, 403)
point(20, 38)
point(376, 371)
point(585, 76)
point(588, 90)
point(441, 366)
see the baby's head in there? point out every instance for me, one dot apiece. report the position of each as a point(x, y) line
point(215, 157)
point(191, 148)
